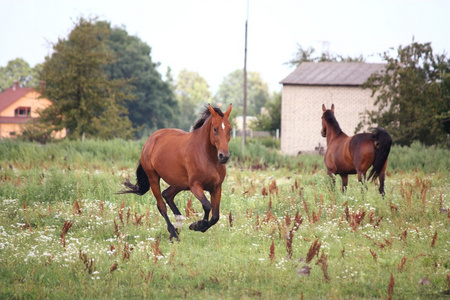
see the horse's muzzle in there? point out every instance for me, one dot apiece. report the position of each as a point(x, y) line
point(324, 133)
point(223, 158)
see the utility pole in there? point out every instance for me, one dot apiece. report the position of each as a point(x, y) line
point(244, 111)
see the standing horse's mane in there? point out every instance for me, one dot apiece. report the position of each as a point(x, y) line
point(331, 119)
point(205, 114)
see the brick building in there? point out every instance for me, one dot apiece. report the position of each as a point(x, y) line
point(313, 84)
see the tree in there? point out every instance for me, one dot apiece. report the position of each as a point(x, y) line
point(154, 105)
point(193, 93)
point(18, 70)
point(231, 90)
point(412, 95)
point(270, 120)
point(308, 55)
point(84, 100)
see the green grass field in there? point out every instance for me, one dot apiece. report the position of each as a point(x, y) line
point(285, 232)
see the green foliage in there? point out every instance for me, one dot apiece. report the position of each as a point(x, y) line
point(231, 90)
point(193, 93)
point(270, 119)
point(18, 70)
point(153, 104)
point(412, 95)
point(34, 130)
point(113, 252)
point(308, 55)
point(83, 98)
point(419, 157)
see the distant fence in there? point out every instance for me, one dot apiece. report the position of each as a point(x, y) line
point(255, 133)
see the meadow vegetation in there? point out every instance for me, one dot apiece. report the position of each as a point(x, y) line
point(285, 231)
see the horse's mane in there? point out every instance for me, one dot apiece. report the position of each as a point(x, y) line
point(205, 114)
point(330, 119)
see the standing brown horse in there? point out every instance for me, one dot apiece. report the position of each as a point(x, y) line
point(186, 161)
point(354, 154)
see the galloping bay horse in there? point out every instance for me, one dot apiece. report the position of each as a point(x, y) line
point(354, 154)
point(192, 161)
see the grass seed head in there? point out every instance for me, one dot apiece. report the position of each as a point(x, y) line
point(189, 209)
point(402, 263)
point(272, 252)
point(76, 209)
point(374, 255)
point(433, 241)
point(113, 267)
point(391, 287)
point(322, 262)
point(313, 250)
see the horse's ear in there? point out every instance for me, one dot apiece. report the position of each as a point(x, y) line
point(324, 108)
point(332, 108)
point(227, 113)
point(212, 111)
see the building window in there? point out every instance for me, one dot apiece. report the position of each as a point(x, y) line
point(22, 111)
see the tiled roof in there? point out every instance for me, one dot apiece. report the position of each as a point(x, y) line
point(332, 73)
point(11, 95)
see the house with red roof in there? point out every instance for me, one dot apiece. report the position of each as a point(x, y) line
point(17, 106)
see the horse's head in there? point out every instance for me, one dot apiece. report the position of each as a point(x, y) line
point(324, 120)
point(220, 133)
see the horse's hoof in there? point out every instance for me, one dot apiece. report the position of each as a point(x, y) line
point(176, 237)
point(201, 225)
point(174, 234)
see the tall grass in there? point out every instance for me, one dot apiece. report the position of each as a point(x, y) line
point(416, 157)
point(419, 157)
point(284, 230)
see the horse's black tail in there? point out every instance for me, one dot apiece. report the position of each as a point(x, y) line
point(141, 187)
point(383, 142)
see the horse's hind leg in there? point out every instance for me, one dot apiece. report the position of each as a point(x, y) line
point(169, 194)
point(381, 189)
point(362, 179)
point(154, 184)
point(382, 176)
point(344, 182)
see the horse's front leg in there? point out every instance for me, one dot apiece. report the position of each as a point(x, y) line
point(333, 179)
point(199, 193)
point(215, 205)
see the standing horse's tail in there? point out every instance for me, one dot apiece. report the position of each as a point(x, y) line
point(383, 142)
point(141, 187)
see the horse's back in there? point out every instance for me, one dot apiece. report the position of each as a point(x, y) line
point(163, 153)
point(163, 142)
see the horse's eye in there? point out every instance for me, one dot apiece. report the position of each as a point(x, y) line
point(215, 129)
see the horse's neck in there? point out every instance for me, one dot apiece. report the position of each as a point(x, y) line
point(334, 133)
point(201, 139)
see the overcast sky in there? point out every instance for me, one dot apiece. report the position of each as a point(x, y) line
point(208, 36)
